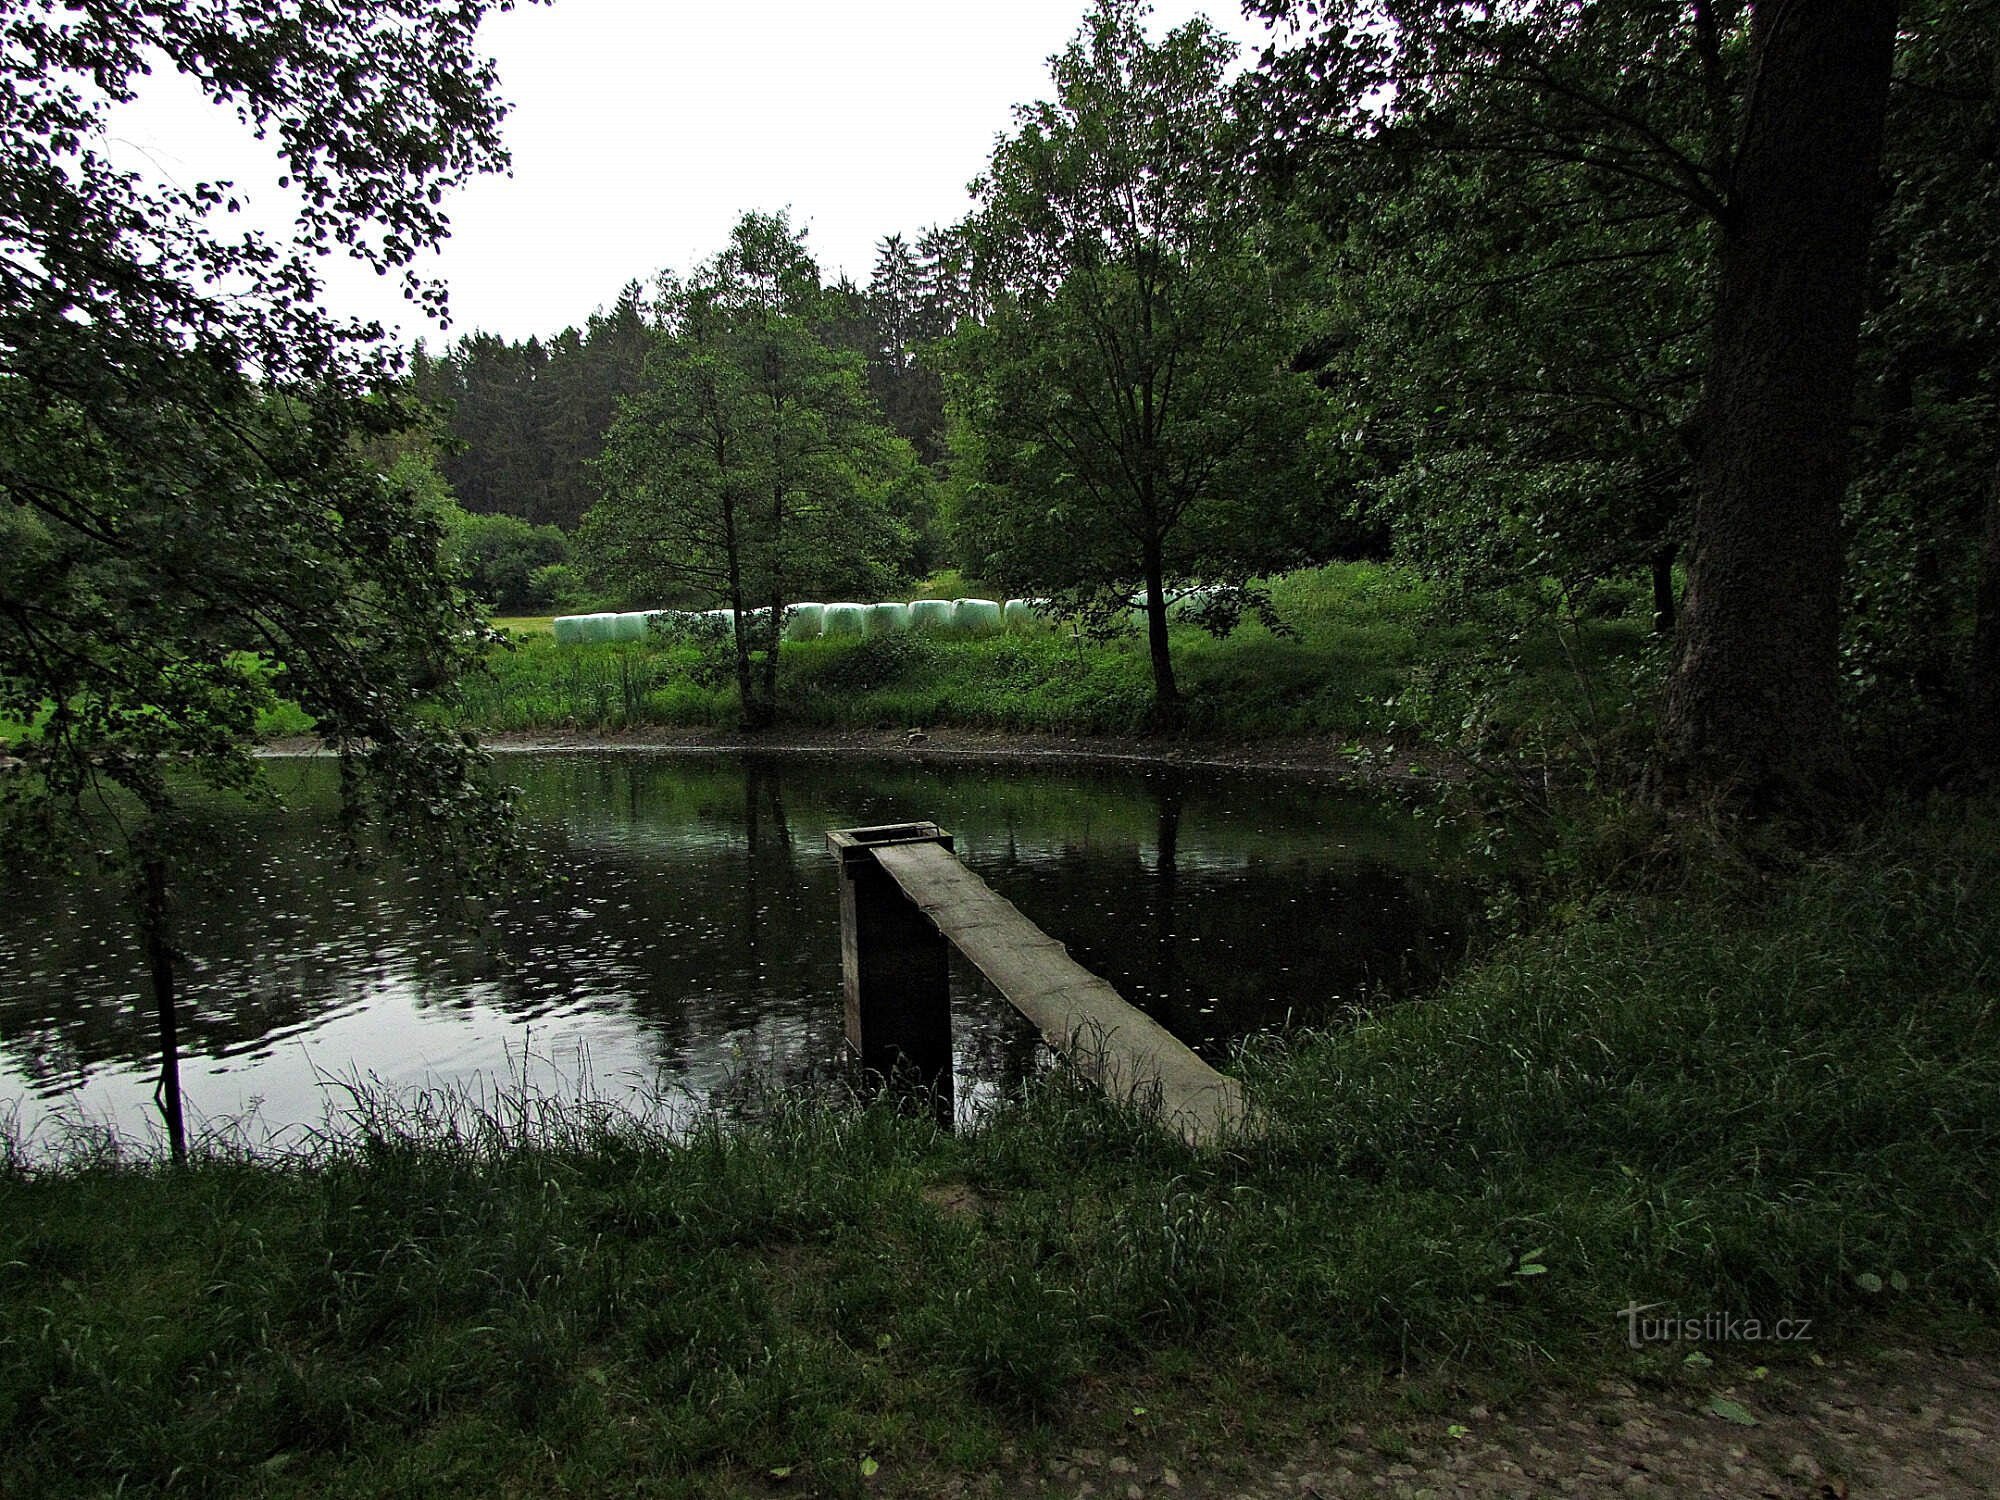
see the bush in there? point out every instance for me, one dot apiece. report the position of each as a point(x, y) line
point(506, 562)
point(556, 586)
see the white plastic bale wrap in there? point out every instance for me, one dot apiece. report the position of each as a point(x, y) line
point(976, 617)
point(802, 622)
point(628, 627)
point(932, 616)
point(888, 619)
point(844, 621)
point(600, 628)
point(568, 629)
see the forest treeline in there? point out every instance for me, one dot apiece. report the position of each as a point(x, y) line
point(1513, 298)
point(524, 420)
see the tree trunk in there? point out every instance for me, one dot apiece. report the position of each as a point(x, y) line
point(774, 636)
point(1983, 677)
point(739, 640)
point(1663, 591)
point(1753, 706)
point(160, 964)
point(1166, 692)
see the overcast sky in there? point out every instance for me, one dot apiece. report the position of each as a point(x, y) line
point(641, 129)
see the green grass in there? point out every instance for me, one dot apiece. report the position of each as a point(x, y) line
point(1363, 636)
point(275, 717)
point(1765, 1101)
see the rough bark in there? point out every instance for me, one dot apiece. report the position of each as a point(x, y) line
point(1166, 691)
point(1983, 675)
point(1753, 707)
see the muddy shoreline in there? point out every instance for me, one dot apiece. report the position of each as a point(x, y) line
point(1327, 758)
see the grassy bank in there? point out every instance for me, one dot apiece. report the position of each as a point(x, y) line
point(1773, 1102)
point(1354, 667)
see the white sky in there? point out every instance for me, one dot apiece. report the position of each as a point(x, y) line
point(641, 130)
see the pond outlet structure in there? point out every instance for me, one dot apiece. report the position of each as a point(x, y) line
point(906, 901)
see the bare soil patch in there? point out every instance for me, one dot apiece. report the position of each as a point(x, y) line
point(1897, 1424)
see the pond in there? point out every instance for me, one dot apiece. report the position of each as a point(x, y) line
point(683, 941)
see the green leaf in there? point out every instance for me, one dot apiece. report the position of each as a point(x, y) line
point(869, 1468)
point(1731, 1411)
point(1868, 1281)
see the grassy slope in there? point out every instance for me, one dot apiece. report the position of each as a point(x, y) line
point(1727, 1103)
point(1358, 638)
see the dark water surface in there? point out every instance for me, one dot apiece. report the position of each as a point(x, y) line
point(688, 936)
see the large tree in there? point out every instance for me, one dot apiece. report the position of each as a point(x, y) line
point(752, 464)
point(1753, 708)
point(189, 514)
point(1126, 409)
point(1760, 124)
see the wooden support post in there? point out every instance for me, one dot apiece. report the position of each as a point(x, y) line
point(894, 964)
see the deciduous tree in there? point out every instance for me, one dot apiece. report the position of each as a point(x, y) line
point(752, 464)
point(1126, 409)
point(189, 520)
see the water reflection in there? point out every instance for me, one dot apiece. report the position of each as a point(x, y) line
point(686, 934)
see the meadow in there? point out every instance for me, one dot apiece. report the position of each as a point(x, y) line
point(1364, 651)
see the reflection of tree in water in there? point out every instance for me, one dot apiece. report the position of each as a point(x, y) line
point(278, 931)
point(689, 905)
point(1223, 953)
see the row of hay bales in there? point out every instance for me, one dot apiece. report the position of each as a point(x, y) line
point(967, 619)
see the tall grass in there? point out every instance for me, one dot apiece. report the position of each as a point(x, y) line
point(1777, 1101)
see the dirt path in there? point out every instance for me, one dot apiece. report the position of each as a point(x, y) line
point(1892, 1425)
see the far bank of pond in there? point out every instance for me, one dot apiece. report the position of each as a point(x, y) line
point(682, 942)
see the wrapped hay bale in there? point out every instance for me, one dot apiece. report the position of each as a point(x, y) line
point(568, 629)
point(629, 627)
point(802, 622)
point(888, 619)
point(932, 616)
point(1185, 601)
point(598, 629)
point(975, 617)
point(844, 622)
